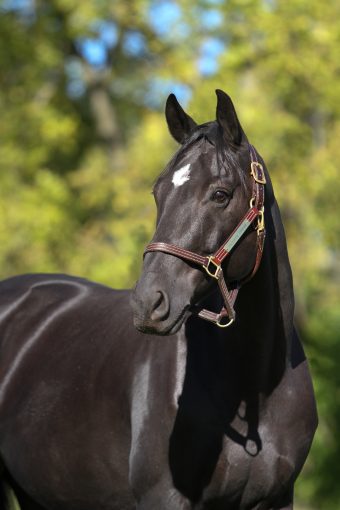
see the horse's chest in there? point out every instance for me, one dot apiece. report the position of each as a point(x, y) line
point(253, 466)
point(219, 465)
point(239, 476)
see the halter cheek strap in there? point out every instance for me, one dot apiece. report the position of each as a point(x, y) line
point(213, 263)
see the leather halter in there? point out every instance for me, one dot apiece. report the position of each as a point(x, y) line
point(212, 264)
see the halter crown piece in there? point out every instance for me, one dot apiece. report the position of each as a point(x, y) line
point(213, 264)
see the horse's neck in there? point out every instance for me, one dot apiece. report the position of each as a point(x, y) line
point(257, 347)
point(266, 306)
point(281, 273)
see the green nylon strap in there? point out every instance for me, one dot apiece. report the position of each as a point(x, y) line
point(237, 235)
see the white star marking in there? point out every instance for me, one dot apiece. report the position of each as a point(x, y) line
point(181, 176)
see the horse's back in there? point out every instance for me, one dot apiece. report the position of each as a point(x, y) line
point(59, 320)
point(44, 293)
point(64, 386)
point(40, 303)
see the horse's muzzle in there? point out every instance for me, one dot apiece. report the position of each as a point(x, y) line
point(152, 311)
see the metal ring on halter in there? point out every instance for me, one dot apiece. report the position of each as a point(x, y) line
point(260, 219)
point(222, 325)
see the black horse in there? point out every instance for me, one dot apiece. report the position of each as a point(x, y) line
point(182, 414)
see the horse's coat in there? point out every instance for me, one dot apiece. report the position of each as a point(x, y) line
point(182, 415)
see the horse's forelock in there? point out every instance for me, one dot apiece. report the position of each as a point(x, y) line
point(227, 159)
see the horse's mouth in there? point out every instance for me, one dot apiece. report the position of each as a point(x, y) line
point(162, 328)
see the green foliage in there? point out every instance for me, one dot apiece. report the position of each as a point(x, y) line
point(82, 142)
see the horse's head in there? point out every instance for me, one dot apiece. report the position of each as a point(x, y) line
point(201, 196)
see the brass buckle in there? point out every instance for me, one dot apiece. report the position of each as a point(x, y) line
point(260, 217)
point(255, 166)
point(260, 221)
point(217, 268)
point(222, 324)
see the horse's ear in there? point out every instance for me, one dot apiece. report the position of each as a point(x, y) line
point(179, 123)
point(227, 119)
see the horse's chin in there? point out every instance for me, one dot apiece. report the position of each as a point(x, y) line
point(162, 328)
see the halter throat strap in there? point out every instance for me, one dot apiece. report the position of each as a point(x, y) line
point(213, 264)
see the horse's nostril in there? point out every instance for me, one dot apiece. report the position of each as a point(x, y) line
point(158, 301)
point(160, 307)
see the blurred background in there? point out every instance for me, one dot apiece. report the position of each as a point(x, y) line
point(82, 138)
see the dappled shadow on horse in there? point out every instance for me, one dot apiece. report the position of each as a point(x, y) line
point(203, 400)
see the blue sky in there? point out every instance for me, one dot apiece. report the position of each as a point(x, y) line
point(166, 21)
point(164, 18)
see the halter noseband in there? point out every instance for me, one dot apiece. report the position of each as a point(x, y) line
point(212, 264)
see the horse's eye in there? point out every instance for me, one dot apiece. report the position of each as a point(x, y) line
point(220, 196)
